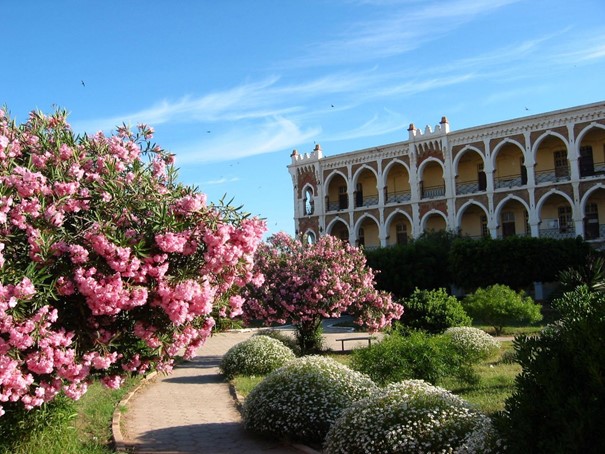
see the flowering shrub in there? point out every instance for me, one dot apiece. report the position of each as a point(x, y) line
point(307, 282)
point(411, 417)
point(107, 265)
point(472, 342)
point(303, 398)
point(258, 355)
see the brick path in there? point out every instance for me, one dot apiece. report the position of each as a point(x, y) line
point(192, 410)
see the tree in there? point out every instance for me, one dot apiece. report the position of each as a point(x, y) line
point(305, 283)
point(498, 305)
point(107, 265)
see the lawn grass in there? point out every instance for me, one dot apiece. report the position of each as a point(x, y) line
point(80, 427)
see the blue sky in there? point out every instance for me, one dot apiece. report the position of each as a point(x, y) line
point(233, 86)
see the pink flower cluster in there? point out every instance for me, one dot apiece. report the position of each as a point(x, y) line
point(107, 267)
point(306, 282)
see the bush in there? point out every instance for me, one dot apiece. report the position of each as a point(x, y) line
point(415, 356)
point(559, 400)
point(433, 311)
point(473, 343)
point(258, 355)
point(302, 399)
point(410, 417)
point(285, 339)
point(499, 305)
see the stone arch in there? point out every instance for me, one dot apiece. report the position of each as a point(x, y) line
point(423, 221)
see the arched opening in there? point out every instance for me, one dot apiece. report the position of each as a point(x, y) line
point(366, 192)
point(556, 218)
point(397, 189)
point(473, 222)
point(367, 234)
point(509, 170)
point(435, 222)
point(309, 237)
point(470, 173)
point(432, 184)
point(594, 215)
point(340, 230)
point(552, 164)
point(337, 196)
point(514, 219)
point(309, 202)
point(592, 153)
point(399, 230)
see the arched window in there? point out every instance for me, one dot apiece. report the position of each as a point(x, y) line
point(308, 202)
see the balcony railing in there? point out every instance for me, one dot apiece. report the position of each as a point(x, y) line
point(333, 205)
point(552, 176)
point(398, 196)
point(467, 187)
point(432, 192)
point(596, 169)
point(558, 233)
point(366, 201)
point(509, 181)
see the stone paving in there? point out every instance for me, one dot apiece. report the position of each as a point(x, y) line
point(193, 411)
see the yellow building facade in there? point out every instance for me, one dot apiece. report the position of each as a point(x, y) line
point(541, 175)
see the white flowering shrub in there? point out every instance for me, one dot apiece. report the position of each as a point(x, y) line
point(302, 399)
point(412, 416)
point(473, 343)
point(258, 355)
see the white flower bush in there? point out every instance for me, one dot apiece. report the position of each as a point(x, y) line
point(412, 416)
point(258, 355)
point(472, 342)
point(302, 399)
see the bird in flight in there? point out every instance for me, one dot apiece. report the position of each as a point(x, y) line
point(83, 84)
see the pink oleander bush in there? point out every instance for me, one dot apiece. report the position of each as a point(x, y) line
point(305, 283)
point(108, 267)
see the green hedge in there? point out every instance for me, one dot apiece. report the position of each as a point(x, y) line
point(441, 259)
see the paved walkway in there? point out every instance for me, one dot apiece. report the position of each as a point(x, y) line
point(192, 410)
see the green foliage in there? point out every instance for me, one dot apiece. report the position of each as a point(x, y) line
point(301, 400)
point(410, 417)
point(513, 261)
point(258, 355)
point(559, 401)
point(591, 274)
point(417, 355)
point(499, 305)
point(472, 343)
point(433, 311)
point(423, 263)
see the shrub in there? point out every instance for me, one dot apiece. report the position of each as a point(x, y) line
point(285, 339)
point(411, 417)
point(499, 305)
point(415, 356)
point(559, 400)
point(433, 311)
point(303, 398)
point(258, 355)
point(473, 343)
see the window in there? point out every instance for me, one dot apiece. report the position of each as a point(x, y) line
point(361, 238)
point(586, 161)
point(308, 202)
point(484, 229)
point(481, 178)
point(591, 222)
point(508, 224)
point(561, 166)
point(343, 199)
point(402, 233)
point(359, 195)
point(309, 238)
point(565, 219)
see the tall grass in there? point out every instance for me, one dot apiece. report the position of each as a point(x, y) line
point(68, 427)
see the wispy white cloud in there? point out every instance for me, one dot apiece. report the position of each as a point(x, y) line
point(273, 135)
point(402, 30)
point(376, 126)
point(220, 181)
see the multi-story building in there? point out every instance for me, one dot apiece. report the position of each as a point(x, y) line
point(541, 175)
